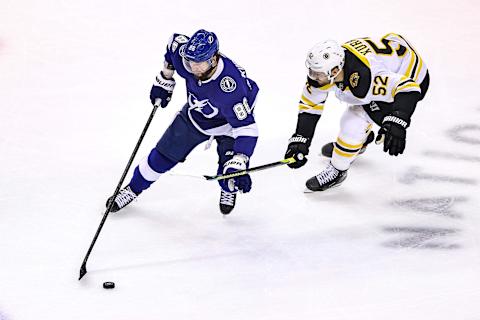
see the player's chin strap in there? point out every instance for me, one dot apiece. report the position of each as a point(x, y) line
point(238, 173)
point(332, 78)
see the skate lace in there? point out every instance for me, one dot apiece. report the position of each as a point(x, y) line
point(227, 198)
point(327, 175)
point(125, 197)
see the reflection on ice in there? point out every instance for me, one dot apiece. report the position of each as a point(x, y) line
point(422, 238)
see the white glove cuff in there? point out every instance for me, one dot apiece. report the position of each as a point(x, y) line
point(167, 84)
point(238, 162)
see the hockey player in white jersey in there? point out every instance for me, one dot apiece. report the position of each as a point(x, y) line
point(382, 81)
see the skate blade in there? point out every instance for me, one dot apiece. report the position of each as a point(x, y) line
point(306, 190)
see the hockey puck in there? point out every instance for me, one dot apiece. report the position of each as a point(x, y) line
point(108, 285)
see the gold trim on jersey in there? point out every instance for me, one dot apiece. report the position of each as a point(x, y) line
point(358, 54)
point(416, 62)
point(326, 87)
point(308, 107)
point(306, 104)
point(419, 69)
point(309, 102)
point(406, 86)
point(413, 58)
point(402, 84)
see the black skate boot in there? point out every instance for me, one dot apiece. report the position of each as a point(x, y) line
point(227, 201)
point(330, 177)
point(327, 149)
point(124, 197)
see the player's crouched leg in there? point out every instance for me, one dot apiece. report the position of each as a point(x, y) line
point(180, 138)
point(327, 149)
point(146, 173)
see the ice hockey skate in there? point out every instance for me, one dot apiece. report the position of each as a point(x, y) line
point(123, 198)
point(227, 201)
point(327, 149)
point(330, 177)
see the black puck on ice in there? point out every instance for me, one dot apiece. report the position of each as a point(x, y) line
point(108, 285)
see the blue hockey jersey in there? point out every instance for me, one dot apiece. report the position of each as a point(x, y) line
point(221, 105)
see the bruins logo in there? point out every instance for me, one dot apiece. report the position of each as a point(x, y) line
point(354, 79)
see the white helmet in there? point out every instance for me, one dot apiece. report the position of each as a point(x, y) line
point(324, 57)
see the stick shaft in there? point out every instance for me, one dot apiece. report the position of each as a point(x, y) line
point(83, 268)
point(250, 170)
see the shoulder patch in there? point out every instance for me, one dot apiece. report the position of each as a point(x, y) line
point(358, 75)
point(354, 77)
point(227, 84)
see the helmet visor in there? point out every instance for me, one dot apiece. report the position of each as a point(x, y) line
point(199, 69)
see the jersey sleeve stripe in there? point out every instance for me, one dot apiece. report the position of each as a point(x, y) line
point(310, 111)
point(307, 101)
point(418, 71)
point(250, 130)
point(407, 88)
point(404, 82)
point(414, 70)
point(418, 60)
point(302, 106)
point(412, 65)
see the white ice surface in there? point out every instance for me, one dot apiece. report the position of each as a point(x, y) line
point(399, 240)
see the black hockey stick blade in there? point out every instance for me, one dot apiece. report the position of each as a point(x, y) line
point(250, 170)
point(83, 271)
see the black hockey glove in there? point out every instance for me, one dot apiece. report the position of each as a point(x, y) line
point(298, 149)
point(393, 134)
point(162, 89)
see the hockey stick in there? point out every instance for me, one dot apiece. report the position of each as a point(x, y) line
point(83, 268)
point(250, 170)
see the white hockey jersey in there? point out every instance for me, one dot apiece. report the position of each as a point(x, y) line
point(373, 71)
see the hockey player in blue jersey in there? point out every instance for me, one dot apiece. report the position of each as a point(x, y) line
point(220, 103)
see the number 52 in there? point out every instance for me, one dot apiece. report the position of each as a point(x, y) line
point(380, 85)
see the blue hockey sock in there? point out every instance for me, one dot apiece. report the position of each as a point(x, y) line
point(149, 170)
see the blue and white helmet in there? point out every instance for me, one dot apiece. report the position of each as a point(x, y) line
point(202, 46)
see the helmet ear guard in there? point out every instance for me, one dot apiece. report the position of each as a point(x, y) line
point(324, 57)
